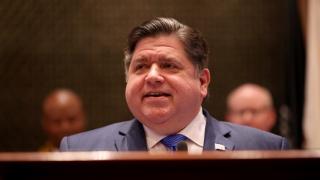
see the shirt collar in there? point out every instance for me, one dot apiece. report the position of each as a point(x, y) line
point(194, 131)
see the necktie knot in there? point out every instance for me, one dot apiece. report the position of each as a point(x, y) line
point(172, 141)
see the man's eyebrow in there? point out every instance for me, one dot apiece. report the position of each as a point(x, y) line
point(140, 59)
point(167, 57)
point(170, 59)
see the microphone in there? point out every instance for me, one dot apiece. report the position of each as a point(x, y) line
point(182, 146)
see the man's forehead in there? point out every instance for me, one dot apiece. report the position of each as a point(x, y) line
point(248, 102)
point(158, 47)
point(163, 40)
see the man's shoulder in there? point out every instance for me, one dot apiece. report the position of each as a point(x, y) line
point(247, 138)
point(242, 131)
point(97, 139)
point(251, 138)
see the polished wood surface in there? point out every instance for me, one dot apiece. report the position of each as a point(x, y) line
point(109, 155)
point(145, 165)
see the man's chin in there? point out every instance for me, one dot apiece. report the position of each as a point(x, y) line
point(157, 116)
point(154, 119)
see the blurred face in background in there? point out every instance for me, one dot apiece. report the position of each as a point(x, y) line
point(251, 106)
point(62, 115)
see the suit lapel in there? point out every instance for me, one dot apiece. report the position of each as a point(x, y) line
point(131, 137)
point(216, 135)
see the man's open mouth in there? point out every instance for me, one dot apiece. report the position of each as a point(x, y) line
point(156, 94)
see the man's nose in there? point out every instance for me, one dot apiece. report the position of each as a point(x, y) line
point(65, 125)
point(154, 76)
point(247, 117)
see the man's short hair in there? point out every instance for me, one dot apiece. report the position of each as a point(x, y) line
point(194, 44)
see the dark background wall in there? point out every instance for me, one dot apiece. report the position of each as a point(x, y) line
point(77, 44)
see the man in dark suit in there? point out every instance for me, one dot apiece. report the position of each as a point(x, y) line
point(167, 81)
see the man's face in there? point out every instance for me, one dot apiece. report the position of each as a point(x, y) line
point(251, 108)
point(62, 119)
point(164, 90)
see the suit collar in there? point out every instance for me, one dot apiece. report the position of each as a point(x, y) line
point(131, 137)
point(216, 134)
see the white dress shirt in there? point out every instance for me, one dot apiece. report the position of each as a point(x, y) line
point(194, 131)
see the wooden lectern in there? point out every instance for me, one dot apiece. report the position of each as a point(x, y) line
point(270, 165)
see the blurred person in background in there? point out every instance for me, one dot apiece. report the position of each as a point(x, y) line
point(62, 114)
point(251, 105)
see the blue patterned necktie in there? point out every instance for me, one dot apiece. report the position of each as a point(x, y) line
point(172, 141)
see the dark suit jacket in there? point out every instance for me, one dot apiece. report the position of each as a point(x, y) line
point(130, 136)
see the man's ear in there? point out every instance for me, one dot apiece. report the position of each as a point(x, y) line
point(204, 81)
point(272, 118)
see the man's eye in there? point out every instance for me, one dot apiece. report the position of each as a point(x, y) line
point(169, 66)
point(139, 66)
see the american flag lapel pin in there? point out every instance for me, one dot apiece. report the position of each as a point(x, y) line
point(219, 147)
